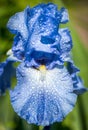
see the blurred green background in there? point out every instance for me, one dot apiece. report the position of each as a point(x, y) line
point(78, 13)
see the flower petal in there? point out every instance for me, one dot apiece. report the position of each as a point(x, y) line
point(66, 40)
point(77, 81)
point(65, 17)
point(65, 44)
point(6, 72)
point(79, 87)
point(43, 97)
point(36, 30)
point(17, 23)
point(19, 47)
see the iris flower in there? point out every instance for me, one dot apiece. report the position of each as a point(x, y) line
point(46, 89)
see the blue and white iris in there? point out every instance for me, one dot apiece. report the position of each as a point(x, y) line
point(46, 89)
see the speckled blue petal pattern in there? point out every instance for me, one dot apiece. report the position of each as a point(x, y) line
point(43, 97)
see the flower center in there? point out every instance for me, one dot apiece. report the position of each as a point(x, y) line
point(42, 68)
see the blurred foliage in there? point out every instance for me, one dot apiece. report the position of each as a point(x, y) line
point(78, 118)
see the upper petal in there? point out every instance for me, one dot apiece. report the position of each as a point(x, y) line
point(37, 29)
point(65, 16)
point(65, 44)
point(18, 23)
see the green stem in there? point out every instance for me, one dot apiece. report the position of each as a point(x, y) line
point(46, 128)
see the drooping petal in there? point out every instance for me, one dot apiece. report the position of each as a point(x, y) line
point(79, 87)
point(43, 97)
point(77, 81)
point(6, 72)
